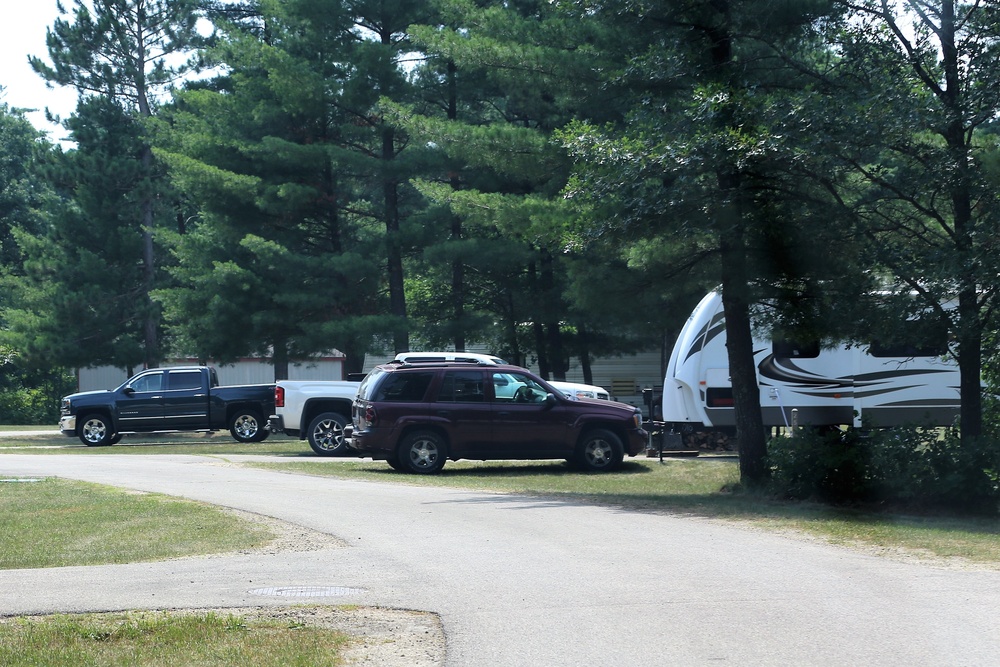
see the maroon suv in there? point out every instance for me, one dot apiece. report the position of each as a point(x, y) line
point(415, 416)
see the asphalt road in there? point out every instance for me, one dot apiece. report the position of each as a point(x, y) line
point(538, 582)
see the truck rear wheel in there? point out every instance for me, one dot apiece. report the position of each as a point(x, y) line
point(326, 434)
point(96, 431)
point(247, 426)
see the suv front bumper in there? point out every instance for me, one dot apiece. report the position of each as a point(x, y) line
point(637, 442)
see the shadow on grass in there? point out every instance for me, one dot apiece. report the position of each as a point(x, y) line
point(508, 470)
point(645, 485)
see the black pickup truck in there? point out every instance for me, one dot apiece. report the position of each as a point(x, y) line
point(186, 398)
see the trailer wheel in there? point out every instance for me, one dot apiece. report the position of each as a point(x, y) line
point(247, 425)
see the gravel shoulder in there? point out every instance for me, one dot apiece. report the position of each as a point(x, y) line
point(381, 637)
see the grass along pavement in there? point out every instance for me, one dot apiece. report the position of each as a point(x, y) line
point(52, 522)
point(705, 486)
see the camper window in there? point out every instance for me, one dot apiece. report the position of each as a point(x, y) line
point(907, 349)
point(913, 339)
point(788, 349)
point(719, 397)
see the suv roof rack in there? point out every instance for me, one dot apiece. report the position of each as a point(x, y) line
point(434, 356)
point(440, 362)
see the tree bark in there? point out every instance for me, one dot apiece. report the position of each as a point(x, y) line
point(394, 254)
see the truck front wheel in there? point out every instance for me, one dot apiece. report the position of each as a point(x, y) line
point(96, 431)
point(326, 434)
point(247, 426)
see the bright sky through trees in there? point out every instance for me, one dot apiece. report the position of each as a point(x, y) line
point(19, 38)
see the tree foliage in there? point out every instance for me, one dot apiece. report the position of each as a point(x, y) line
point(553, 179)
point(295, 176)
point(126, 53)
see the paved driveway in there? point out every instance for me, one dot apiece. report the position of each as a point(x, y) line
point(538, 582)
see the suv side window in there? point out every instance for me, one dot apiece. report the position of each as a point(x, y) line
point(462, 387)
point(404, 387)
point(517, 388)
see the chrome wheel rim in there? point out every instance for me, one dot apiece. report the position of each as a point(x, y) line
point(328, 435)
point(246, 426)
point(598, 453)
point(95, 431)
point(423, 454)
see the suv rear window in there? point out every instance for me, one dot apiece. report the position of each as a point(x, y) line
point(404, 387)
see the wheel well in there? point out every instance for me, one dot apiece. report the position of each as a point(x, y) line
point(313, 408)
point(423, 427)
point(242, 407)
point(617, 429)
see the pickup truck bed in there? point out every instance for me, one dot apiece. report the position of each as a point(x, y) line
point(314, 410)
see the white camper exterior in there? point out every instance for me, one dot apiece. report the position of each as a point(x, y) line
point(838, 385)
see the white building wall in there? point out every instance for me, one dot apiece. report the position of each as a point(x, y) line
point(246, 371)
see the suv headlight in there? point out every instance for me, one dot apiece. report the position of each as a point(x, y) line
point(637, 418)
point(64, 406)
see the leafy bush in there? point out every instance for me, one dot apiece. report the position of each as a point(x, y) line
point(828, 465)
point(910, 467)
point(31, 396)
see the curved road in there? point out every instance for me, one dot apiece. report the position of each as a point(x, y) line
point(538, 582)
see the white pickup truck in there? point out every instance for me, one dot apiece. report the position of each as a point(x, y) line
point(314, 410)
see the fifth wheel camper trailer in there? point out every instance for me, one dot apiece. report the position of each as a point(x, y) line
point(839, 385)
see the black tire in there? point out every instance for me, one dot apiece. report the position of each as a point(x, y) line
point(326, 434)
point(422, 452)
point(96, 431)
point(247, 426)
point(393, 461)
point(599, 450)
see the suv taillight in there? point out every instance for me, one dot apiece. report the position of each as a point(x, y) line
point(279, 396)
point(370, 415)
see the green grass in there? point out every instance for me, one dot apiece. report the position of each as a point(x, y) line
point(704, 487)
point(167, 639)
point(216, 442)
point(34, 427)
point(54, 522)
